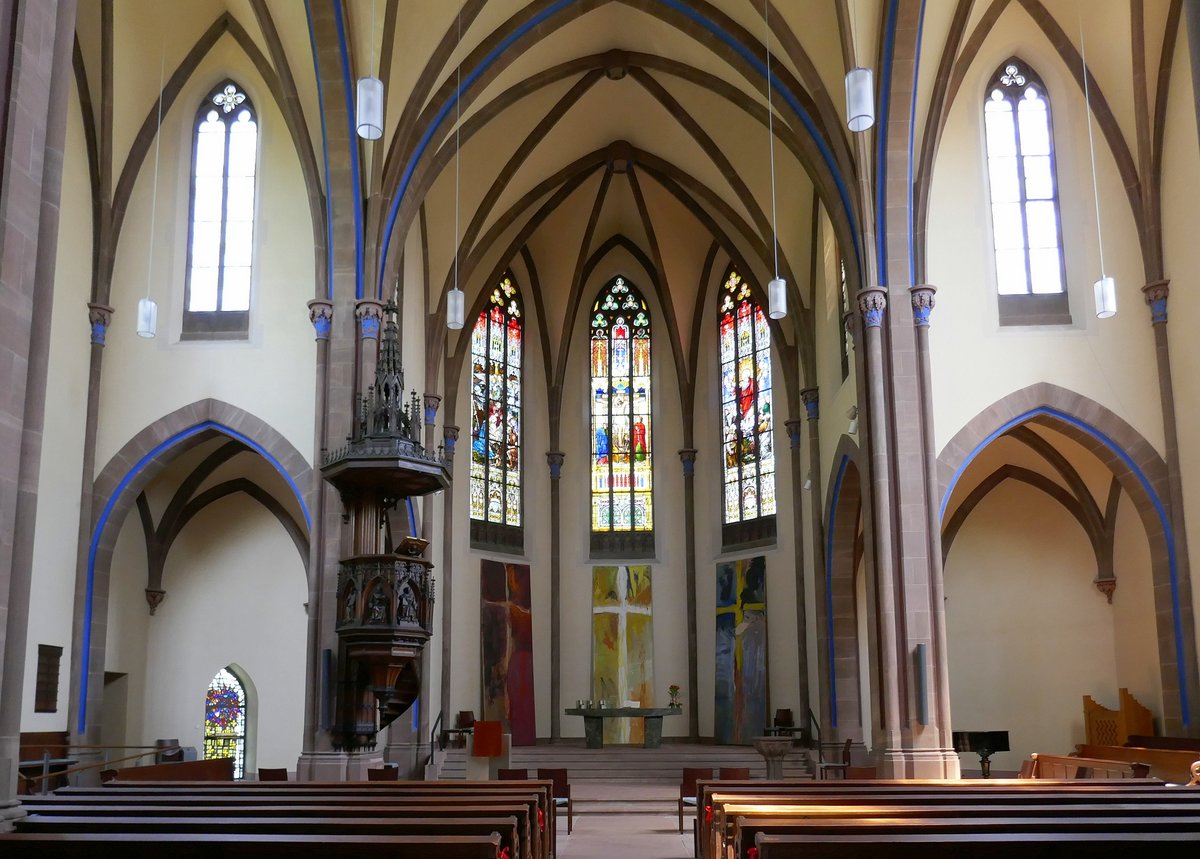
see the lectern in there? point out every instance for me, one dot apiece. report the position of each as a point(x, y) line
point(982, 743)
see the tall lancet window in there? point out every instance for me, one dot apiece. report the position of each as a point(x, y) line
point(1026, 223)
point(747, 426)
point(221, 227)
point(496, 347)
point(225, 720)
point(622, 456)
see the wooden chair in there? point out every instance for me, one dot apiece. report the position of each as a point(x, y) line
point(272, 774)
point(687, 788)
point(734, 773)
point(562, 792)
point(826, 767)
point(383, 774)
point(512, 775)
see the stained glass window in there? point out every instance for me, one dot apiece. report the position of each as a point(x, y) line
point(620, 395)
point(225, 720)
point(496, 408)
point(748, 450)
point(221, 230)
point(1026, 226)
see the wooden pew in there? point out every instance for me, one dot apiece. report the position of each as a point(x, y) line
point(213, 769)
point(1172, 765)
point(1071, 766)
point(523, 843)
point(205, 845)
point(1033, 845)
point(746, 830)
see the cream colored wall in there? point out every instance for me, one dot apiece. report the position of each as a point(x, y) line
point(269, 375)
point(1109, 361)
point(1018, 587)
point(52, 589)
point(235, 594)
point(1181, 189)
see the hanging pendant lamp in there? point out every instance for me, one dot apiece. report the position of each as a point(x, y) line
point(777, 288)
point(368, 109)
point(860, 90)
point(147, 312)
point(456, 301)
point(1105, 289)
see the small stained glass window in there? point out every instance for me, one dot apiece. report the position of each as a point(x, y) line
point(622, 456)
point(225, 720)
point(747, 427)
point(496, 351)
point(221, 228)
point(1026, 223)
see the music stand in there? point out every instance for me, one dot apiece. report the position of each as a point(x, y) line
point(982, 743)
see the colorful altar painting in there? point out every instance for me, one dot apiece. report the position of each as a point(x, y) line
point(741, 646)
point(622, 646)
point(506, 627)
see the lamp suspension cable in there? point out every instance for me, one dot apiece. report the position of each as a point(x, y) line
point(147, 316)
point(1105, 288)
point(455, 300)
point(860, 84)
point(777, 289)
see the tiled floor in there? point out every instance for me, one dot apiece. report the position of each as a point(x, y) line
point(625, 836)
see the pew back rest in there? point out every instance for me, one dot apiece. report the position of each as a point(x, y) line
point(1168, 764)
point(35, 744)
point(1072, 767)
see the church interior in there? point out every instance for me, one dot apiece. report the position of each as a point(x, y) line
point(373, 365)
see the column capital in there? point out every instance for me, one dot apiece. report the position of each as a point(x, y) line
point(369, 314)
point(1156, 294)
point(432, 402)
point(812, 402)
point(688, 457)
point(100, 317)
point(554, 459)
point(450, 434)
point(320, 314)
point(922, 303)
point(793, 430)
point(848, 324)
point(872, 302)
point(155, 596)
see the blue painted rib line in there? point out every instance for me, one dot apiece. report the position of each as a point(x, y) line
point(1157, 502)
point(102, 522)
point(912, 133)
point(881, 140)
point(352, 142)
point(325, 150)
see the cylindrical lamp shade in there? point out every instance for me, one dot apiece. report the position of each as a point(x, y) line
point(1106, 297)
point(860, 99)
point(370, 108)
point(455, 308)
point(777, 298)
point(147, 317)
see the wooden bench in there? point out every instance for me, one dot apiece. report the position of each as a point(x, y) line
point(213, 769)
point(272, 846)
point(1072, 767)
point(746, 830)
point(1172, 765)
point(42, 753)
point(1033, 845)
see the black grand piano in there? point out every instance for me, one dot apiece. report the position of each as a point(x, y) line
point(982, 743)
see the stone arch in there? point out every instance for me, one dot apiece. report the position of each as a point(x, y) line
point(1142, 473)
point(115, 491)
point(837, 623)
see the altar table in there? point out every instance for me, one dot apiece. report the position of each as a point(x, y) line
point(593, 722)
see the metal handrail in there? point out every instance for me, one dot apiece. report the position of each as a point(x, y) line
point(84, 767)
point(433, 732)
point(816, 725)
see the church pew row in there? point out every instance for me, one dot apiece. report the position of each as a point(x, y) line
point(204, 845)
point(107, 817)
point(910, 791)
point(1172, 765)
point(536, 793)
point(1033, 845)
point(746, 831)
point(861, 798)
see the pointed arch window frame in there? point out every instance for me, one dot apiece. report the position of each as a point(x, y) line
point(1012, 80)
point(610, 542)
point(221, 740)
point(508, 534)
point(229, 101)
point(760, 529)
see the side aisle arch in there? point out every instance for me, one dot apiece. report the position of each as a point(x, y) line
point(115, 492)
point(1142, 474)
